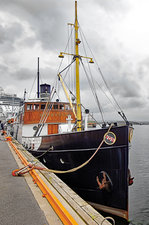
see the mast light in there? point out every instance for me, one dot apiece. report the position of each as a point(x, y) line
point(61, 55)
point(91, 61)
point(78, 41)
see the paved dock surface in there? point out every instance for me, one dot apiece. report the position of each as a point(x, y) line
point(17, 203)
point(21, 201)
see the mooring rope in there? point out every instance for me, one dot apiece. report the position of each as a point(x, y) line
point(108, 218)
point(82, 165)
point(64, 171)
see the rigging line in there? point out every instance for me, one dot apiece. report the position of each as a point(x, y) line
point(102, 73)
point(90, 83)
point(92, 116)
point(92, 80)
point(72, 50)
point(95, 81)
point(68, 69)
point(56, 85)
point(106, 96)
point(45, 118)
point(109, 88)
point(69, 51)
point(94, 93)
point(88, 64)
point(67, 95)
point(68, 88)
point(69, 59)
point(84, 108)
point(62, 58)
point(42, 125)
point(32, 87)
point(44, 115)
point(67, 66)
point(121, 113)
point(58, 95)
point(64, 51)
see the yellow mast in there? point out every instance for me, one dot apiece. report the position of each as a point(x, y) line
point(77, 42)
point(77, 58)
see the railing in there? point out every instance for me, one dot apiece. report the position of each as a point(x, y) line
point(31, 143)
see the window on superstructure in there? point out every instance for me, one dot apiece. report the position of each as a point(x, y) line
point(43, 106)
point(67, 107)
point(29, 106)
point(55, 107)
point(61, 106)
point(49, 106)
point(36, 106)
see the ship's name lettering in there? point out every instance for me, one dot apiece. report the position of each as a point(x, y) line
point(110, 138)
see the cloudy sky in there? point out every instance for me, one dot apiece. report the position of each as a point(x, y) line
point(117, 32)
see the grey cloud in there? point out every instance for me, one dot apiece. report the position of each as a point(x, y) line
point(3, 68)
point(113, 5)
point(43, 23)
point(27, 42)
point(135, 103)
point(2, 35)
point(23, 74)
point(47, 75)
point(143, 68)
point(126, 88)
point(45, 18)
point(8, 35)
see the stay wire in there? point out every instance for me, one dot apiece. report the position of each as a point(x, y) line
point(67, 46)
point(32, 87)
point(121, 113)
point(99, 69)
point(65, 50)
point(67, 67)
point(109, 88)
point(81, 104)
point(56, 84)
point(106, 95)
point(92, 84)
point(93, 91)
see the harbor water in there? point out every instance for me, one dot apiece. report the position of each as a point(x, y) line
point(139, 166)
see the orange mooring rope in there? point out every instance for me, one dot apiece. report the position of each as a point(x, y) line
point(26, 169)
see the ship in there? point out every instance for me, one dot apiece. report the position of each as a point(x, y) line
point(93, 162)
point(9, 105)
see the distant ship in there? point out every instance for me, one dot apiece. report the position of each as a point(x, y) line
point(94, 163)
point(9, 105)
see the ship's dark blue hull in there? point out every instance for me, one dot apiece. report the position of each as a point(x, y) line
point(110, 164)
